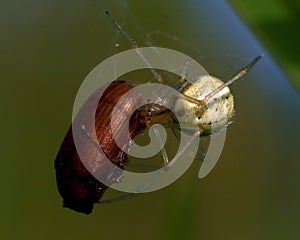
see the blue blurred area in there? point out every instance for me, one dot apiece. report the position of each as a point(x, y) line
point(276, 23)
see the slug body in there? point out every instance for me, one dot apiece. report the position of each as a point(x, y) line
point(77, 186)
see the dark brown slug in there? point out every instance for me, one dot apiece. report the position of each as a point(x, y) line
point(79, 189)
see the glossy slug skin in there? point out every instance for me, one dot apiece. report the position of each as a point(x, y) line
point(77, 186)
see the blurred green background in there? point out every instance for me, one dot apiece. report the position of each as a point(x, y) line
point(276, 23)
point(48, 47)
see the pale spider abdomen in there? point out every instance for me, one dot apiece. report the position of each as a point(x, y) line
point(217, 112)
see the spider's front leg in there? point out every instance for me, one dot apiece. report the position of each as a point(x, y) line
point(156, 114)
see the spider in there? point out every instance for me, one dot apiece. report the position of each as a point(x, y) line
point(205, 102)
